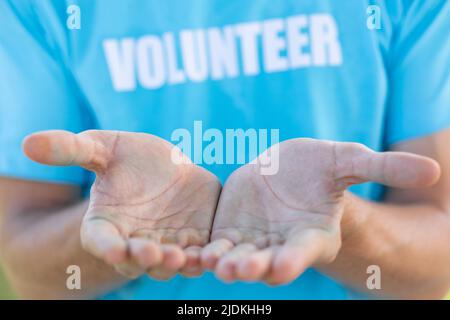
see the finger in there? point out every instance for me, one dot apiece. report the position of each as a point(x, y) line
point(129, 270)
point(294, 257)
point(102, 239)
point(63, 148)
point(256, 265)
point(226, 266)
point(192, 267)
point(173, 260)
point(160, 273)
point(395, 169)
point(146, 253)
point(192, 237)
point(212, 252)
point(174, 257)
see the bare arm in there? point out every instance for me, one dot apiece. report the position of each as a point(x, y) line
point(273, 227)
point(40, 238)
point(407, 235)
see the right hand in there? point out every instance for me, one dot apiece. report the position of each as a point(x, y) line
point(273, 227)
point(146, 213)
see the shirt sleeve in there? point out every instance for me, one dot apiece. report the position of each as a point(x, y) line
point(35, 94)
point(419, 72)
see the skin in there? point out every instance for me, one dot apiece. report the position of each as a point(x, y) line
point(266, 228)
point(407, 234)
point(273, 227)
point(155, 225)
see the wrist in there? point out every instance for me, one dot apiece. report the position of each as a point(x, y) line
point(354, 217)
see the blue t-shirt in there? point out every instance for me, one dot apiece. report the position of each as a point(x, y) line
point(374, 72)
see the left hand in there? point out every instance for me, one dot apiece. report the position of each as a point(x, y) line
point(146, 213)
point(272, 228)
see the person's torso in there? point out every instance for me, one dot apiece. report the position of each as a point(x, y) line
point(307, 68)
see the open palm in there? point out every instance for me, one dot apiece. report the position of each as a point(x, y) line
point(274, 227)
point(146, 213)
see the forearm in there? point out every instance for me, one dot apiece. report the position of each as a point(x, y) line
point(39, 246)
point(408, 242)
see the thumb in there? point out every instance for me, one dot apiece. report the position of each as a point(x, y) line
point(63, 148)
point(394, 169)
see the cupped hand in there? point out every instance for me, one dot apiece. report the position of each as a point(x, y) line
point(146, 212)
point(273, 227)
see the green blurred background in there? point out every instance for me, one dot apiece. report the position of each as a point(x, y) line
point(5, 292)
